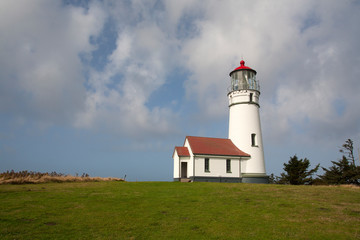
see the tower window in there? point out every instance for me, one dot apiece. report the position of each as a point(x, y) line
point(251, 97)
point(253, 139)
point(228, 165)
point(207, 165)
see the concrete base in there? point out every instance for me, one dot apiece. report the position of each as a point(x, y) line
point(216, 179)
point(245, 179)
point(185, 180)
point(182, 179)
point(255, 179)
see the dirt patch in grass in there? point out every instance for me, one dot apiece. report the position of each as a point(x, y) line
point(50, 223)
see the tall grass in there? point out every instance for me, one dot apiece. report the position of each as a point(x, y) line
point(22, 177)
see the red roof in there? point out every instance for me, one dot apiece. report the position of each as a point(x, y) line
point(242, 67)
point(182, 151)
point(214, 146)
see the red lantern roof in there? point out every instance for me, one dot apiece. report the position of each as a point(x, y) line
point(242, 67)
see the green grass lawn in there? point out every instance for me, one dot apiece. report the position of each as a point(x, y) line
point(173, 210)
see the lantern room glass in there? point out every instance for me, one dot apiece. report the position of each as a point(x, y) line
point(244, 80)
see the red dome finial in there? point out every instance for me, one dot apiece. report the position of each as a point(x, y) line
point(242, 67)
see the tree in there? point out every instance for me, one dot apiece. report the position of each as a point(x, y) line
point(348, 148)
point(344, 171)
point(297, 172)
point(272, 179)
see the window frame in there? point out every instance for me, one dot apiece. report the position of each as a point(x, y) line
point(253, 140)
point(228, 165)
point(207, 165)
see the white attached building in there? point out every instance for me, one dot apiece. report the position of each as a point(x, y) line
point(240, 158)
point(208, 160)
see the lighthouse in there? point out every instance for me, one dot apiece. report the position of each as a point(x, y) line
point(244, 121)
point(238, 158)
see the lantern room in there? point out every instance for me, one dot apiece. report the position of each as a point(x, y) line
point(243, 78)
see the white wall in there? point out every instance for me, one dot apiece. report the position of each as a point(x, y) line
point(217, 167)
point(176, 165)
point(244, 120)
point(243, 96)
point(190, 161)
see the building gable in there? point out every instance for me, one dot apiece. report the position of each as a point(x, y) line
point(182, 151)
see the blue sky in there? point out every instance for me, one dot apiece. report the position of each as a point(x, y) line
point(109, 88)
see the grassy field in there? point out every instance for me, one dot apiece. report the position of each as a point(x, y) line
point(172, 210)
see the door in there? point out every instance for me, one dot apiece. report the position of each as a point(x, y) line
point(184, 170)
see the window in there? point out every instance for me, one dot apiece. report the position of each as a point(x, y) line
point(207, 165)
point(253, 140)
point(228, 165)
point(251, 97)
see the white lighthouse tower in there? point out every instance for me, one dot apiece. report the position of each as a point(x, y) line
point(239, 158)
point(244, 122)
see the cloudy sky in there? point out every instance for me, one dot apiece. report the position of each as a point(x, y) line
point(109, 88)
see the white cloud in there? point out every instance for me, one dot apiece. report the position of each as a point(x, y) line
point(299, 50)
point(100, 66)
point(136, 68)
point(304, 53)
point(325, 75)
point(41, 72)
point(228, 32)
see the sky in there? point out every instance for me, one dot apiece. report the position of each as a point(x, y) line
point(109, 88)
